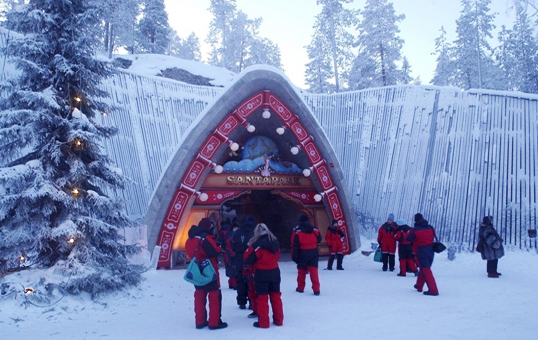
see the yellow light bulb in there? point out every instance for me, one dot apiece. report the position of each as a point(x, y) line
point(75, 191)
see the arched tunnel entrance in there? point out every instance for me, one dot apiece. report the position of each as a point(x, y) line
point(280, 214)
point(259, 151)
point(278, 207)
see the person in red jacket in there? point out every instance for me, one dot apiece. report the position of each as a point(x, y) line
point(422, 237)
point(202, 245)
point(405, 249)
point(262, 255)
point(334, 238)
point(305, 254)
point(385, 237)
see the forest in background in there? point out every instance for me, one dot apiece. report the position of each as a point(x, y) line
point(351, 49)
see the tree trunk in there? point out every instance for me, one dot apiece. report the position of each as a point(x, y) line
point(335, 57)
point(383, 71)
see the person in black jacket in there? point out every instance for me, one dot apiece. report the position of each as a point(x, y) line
point(240, 244)
point(490, 246)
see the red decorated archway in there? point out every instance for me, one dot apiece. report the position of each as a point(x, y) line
point(192, 179)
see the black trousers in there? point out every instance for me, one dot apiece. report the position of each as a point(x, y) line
point(492, 266)
point(388, 260)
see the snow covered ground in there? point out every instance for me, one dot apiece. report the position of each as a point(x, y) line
point(360, 302)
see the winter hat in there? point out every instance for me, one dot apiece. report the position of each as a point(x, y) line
point(205, 223)
point(418, 217)
point(487, 220)
point(334, 221)
point(400, 222)
point(303, 218)
point(391, 217)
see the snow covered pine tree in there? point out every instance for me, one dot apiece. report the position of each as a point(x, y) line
point(54, 210)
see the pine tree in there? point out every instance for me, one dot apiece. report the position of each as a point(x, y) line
point(243, 33)
point(318, 71)
point(153, 28)
point(119, 23)
point(332, 37)
point(220, 31)
point(518, 55)
point(444, 70)
point(235, 41)
point(472, 55)
point(263, 51)
point(530, 7)
point(188, 49)
point(379, 47)
point(405, 76)
point(54, 177)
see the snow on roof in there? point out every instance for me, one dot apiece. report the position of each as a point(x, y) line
point(155, 64)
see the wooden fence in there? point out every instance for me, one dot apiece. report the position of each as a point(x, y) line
point(453, 156)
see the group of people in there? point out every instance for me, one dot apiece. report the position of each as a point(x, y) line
point(416, 253)
point(415, 250)
point(251, 254)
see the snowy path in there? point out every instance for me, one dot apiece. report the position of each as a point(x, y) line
point(361, 302)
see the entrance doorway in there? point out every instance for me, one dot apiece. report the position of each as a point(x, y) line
point(280, 215)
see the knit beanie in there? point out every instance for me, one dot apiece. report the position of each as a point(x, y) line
point(391, 217)
point(418, 217)
point(303, 218)
point(400, 222)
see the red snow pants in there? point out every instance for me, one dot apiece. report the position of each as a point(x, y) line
point(263, 309)
point(200, 313)
point(426, 276)
point(314, 277)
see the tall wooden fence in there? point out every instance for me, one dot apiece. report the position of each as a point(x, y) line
point(453, 156)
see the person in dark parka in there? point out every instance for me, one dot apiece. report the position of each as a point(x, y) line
point(422, 237)
point(263, 255)
point(305, 254)
point(202, 245)
point(490, 246)
point(240, 240)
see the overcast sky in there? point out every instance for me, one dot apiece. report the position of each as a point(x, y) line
point(289, 23)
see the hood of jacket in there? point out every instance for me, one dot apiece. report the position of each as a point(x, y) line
point(265, 243)
point(197, 231)
point(421, 223)
point(306, 227)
